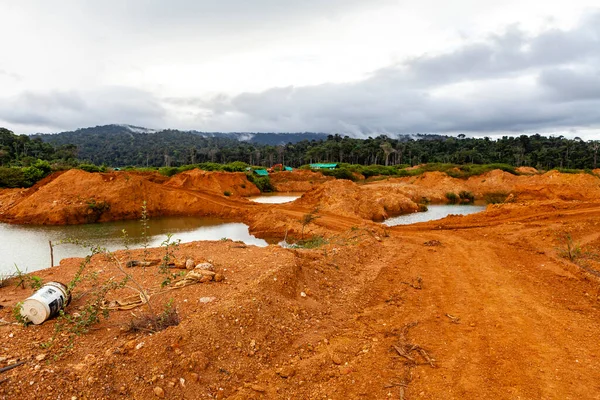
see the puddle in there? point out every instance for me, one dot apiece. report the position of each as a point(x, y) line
point(433, 213)
point(27, 246)
point(276, 198)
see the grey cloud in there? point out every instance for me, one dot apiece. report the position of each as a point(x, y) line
point(405, 98)
point(570, 84)
point(67, 110)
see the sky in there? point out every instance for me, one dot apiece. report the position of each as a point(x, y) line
point(356, 67)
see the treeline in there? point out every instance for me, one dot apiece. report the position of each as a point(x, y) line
point(24, 161)
point(110, 145)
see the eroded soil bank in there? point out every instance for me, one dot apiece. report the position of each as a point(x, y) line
point(498, 305)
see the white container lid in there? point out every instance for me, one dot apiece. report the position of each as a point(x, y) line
point(35, 311)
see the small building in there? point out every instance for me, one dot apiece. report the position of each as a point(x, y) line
point(261, 172)
point(324, 166)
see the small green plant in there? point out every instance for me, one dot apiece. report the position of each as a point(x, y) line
point(16, 312)
point(308, 219)
point(23, 280)
point(169, 256)
point(466, 196)
point(568, 248)
point(155, 323)
point(452, 197)
point(313, 243)
point(227, 193)
point(35, 282)
point(145, 227)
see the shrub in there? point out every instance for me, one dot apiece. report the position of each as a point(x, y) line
point(168, 171)
point(11, 177)
point(466, 196)
point(227, 193)
point(263, 183)
point(452, 197)
point(90, 168)
point(39, 170)
point(339, 173)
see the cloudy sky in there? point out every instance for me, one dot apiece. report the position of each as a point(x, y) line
point(479, 67)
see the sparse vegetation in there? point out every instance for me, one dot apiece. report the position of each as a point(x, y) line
point(452, 197)
point(308, 219)
point(154, 323)
point(466, 196)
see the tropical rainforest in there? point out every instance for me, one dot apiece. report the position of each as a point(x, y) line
point(25, 159)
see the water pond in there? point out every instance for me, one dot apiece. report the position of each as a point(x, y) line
point(433, 213)
point(27, 246)
point(276, 198)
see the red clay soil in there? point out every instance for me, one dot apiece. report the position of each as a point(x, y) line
point(503, 304)
point(297, 180)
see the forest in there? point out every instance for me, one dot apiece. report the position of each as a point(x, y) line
point(112, 146)
point(24, 159)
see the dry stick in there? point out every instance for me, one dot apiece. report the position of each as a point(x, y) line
point(403, 353)
point(12, 366)
point(51, 254)
point(141, 290)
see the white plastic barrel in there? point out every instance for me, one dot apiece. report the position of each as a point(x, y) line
point(45, 303)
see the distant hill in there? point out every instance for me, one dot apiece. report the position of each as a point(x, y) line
point(120, 145)
point(266, 138)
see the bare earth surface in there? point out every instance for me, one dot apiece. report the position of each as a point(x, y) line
point(484, 306)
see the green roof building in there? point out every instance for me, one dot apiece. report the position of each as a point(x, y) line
point(323, 166)
point(261, 172)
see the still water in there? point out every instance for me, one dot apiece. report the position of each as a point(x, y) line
point(27, 246)
point(434, 212)
point(275, 198)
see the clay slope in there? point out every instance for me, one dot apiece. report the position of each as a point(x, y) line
point(236, 183)
point(343, 197)
point(552, 185)
point(77, 197)
point(297, 181)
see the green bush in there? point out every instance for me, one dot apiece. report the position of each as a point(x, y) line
point(452, 197)
point(466, 197)
point(168, 171)
point(90, 168)
point(227, 193)
point(263, 183)
point(12, 177)
point(39, 170)
point(339, 173)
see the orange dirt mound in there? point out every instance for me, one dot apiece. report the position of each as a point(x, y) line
point(79, 197)
point(297, 180)
point(527, 170)
point(343, 197)
point(236, 183)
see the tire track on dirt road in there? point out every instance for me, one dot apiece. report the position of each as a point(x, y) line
point(517, 336)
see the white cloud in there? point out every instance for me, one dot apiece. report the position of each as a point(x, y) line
point(342, 65)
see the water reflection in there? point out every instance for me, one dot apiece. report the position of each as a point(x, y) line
point(276, 198)
point(27, 246)
point(433, 213)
